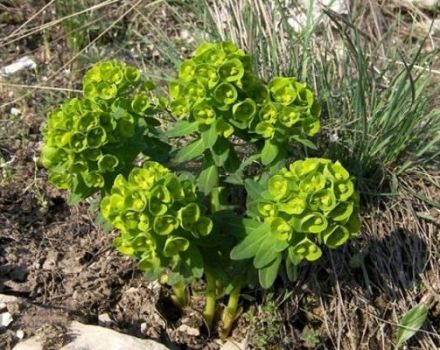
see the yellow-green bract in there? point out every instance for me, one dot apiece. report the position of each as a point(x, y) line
point(159, 220)
point(309, 204)
point(88, 141)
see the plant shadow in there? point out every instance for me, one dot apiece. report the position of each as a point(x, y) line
point(385, 266)
point(355, 288)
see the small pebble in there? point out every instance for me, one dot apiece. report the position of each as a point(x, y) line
point(105, 320)
point(5, 319)
point(189, 330)
point(144, 327)
point(15, 111)
point(19, 334)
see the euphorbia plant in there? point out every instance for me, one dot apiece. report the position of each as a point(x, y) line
point(181, 226)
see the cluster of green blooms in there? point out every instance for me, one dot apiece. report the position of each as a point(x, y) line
point(158, 218)
point(311, 202)
point(291, 113)
point(214, 87)
point(218, 95)
point(88, 141)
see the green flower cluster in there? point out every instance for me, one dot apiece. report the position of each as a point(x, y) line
point(88, 141)
point(158, 218)
point(312, 202)
point(110, 80)
point(290, 113)
point(217, 86)
point(218, 95)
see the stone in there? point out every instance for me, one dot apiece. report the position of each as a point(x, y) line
point(5, 320)
point(2, 306)
point(189, 330)
point(18, 65)
point(8, 299)
point(105, 320)
point(15, 111)
point(87, 337)
point(144, 327)
point(32, 343)
point(19, 334)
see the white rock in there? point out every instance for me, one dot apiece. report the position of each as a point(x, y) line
point(98, 338)
point(8, 299)
point(2, 306)
point(5, 319)
point(18, 65)
point(233, 345)
point(185, 34)
point(105, 319)
point(155, 285)
point(189, 330)
point(19, 334)
point(144, 327)
point(15, 111)
point(33, 343)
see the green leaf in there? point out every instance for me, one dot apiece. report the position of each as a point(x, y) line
point(234, 179)
point(269, 152)
point(265, 254)
point(208, 177)
point(194, 261)
point(232, 163)
point(304, 142)
point(210, 136)
point(248, 247)
point(253, 189)
point(182, 128)
point(268, 251)
point(268, 275)
point(410, 323)
point(190, 151)
point(220, 151)
point(291, 270)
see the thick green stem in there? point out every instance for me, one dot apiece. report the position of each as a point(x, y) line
point(179, 296)
point(211, 297)
point(230, 313)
